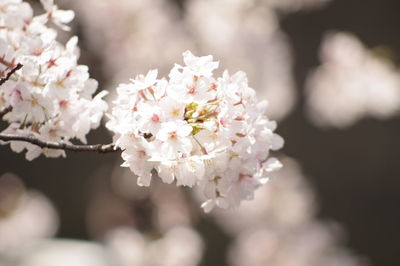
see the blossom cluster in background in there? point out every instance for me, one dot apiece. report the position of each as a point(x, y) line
point(351, 83)
point(179, 245)
point(261, 232)
point(51, 96)
point(28, 241)
point(19, 209)
point(197, 130)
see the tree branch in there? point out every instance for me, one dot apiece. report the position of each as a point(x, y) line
point(5, 111)
point(100, 148)
point(8, 109)
point(9, 74)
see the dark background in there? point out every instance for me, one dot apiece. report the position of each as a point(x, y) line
point(355, 171)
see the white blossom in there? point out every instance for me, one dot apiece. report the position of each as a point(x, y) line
point(51, 96)
point(59, 17)
point(196, 130)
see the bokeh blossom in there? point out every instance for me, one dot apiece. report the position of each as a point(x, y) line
point(19, 210)
point(352, 83)
point(178, 246)
point(313, 245)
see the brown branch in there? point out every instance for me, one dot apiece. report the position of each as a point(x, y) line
point(5, 111)
point(9, 74)
point(8, 109)
point(100, 148)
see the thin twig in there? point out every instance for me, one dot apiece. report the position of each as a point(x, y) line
point(6, 63)
point(9, 74)
point(100, 148)
point(8, 109)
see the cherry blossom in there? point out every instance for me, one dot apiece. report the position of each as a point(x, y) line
point(196, 130)
point(51, 96)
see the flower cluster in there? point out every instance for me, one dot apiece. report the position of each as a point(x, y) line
point(351, 83)
point(51, 96)
point(196, 130)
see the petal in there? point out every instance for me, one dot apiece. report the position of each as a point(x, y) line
point(47, 4)
point(144, 180)
point(277, 142)
point(208, 205)
point(64, 16)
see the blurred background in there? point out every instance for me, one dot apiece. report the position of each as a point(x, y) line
point(329, 69)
